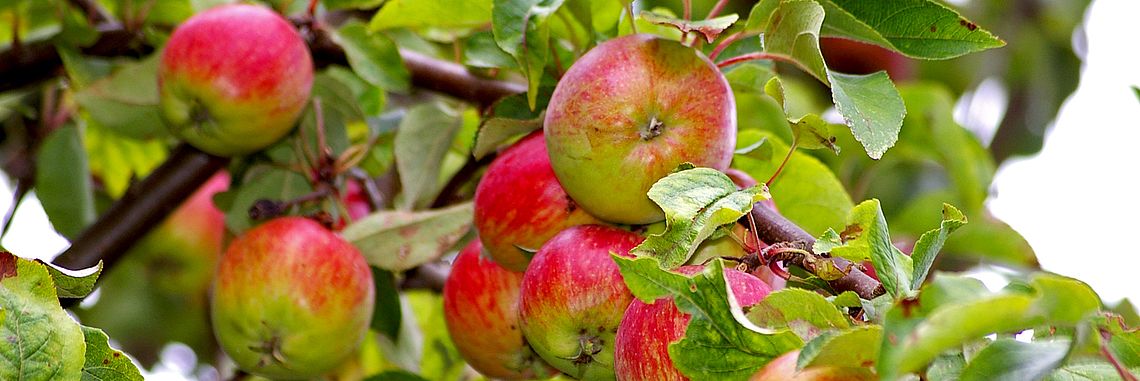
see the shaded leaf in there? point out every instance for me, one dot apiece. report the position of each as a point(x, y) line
point(805, 312)
point(917, 28)
point(104, 363)
point(422, 142)
point(373, 56)
point(386, 315)
point(927, 247)
point(1086, 371)
point(400, 240)
point(760, 14)
point(74, 284)
point(872, 108)
point(1008, 359)
point(261, 182)
point(719, 342)
point(521, 30)
point(63, 182)
point(117, 160)
point(696, 202)
point(758, 150)
point(775, 89)
point(126, 102)
point(41, 342)
point(709, 28)
point(793, 33)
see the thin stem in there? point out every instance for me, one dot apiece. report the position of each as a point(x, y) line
point(17, 198)
point(1125, 374)
point(791, 150)
point(717, 8)
point(629, 10)
point(688, 9)
point(557, 62)
point(750, 57)
point(311, 11)
point(724, 44)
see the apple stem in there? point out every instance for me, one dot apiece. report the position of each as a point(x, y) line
point(791, 150)
point(716, 9)
point(652, 130)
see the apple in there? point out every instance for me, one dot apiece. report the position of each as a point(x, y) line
point(783, 368)
point(572, 298)
point(234, 79)
point(643, 338)
point(627, 113)
point(291, 299)
point(356, 201)
point(519, 204)
point(480, 306)
point(855, 57)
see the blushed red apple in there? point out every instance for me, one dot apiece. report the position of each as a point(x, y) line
point(291, 300)
point(480, 306)
point(234, 79)
point(572, 299)
point(643, 338)
point(627, 113)
point(783, 368)
point(519, 204)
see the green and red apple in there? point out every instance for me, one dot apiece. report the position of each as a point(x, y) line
point(480, 306)
point(234, 79)
point(519, 204)
point(572, 299)
point(291, 300)
point(783, 368)
point(627, 113)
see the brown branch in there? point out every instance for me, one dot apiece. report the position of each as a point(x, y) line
point(95, 13)
point(773, 227)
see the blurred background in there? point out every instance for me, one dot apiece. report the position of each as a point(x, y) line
point(1048, 173)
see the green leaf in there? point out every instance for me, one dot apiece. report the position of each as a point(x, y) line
point(952, 311)
point(432, 13)
point(41, 342)
point(480, 50)
point(947, 367)
point(760, 14)
point(1008, 359)
point(719, 342)
point(846, 299)
point(709, 28)
point(1086, 371)
point(339, 109)
point(867, 237)
point(928, 246)
point(117, 160)
point(872, 108)
point(775, 89)
point(696, 202)
point(104, 363)
point(1136, 90)
point(74, 284)
point(805, 312)
point(351, 4)
point(793, 34)
point(126, 102)
point(400, 240)
point(63, 183)
point(373, 56)
point(923, 29)
point(510, 117)
point(261, 182)
point(395, 375)
point(806, 191)
point(422, 142)
point(758, 150)
point(521, 30)
point(386, 315)
point(812, 132)
point(847, 348)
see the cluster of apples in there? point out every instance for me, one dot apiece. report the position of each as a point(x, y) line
point(539, 293)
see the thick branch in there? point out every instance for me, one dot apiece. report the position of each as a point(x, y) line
point(773, 227)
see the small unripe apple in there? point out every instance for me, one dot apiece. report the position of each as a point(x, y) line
point(627, 113)
point(783, 368)
point(519, 204)
point(480, 306)
point(291, 300)
point(234, 79)
point(643, 338)
point(572, 299)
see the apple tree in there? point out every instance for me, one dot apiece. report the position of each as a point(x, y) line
point(527, 189)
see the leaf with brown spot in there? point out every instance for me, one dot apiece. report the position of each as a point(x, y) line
point(400, 240)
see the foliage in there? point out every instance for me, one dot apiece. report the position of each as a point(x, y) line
point(840, 154)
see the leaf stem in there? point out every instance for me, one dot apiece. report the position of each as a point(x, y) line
point(632, 23)
point(1125, 374)
point(724, 44)
point(791, 150)
point(716, 9)
point(688, 4)
point(751, 57)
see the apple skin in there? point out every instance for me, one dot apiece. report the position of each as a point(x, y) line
point(643, 338)
point(627, 113)
point(572, 298)
point(480, 306)
point(234, 79)
point(291, 300)
point(520, 204)
point(783, 368)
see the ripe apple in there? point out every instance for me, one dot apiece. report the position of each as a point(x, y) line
point(519, 204)
point(234, 79)
point(783, 368)
point(643, 338)
point(627, 113)
point(572, 299)
point(855, 57)
point(291, 299)
point(480, 306)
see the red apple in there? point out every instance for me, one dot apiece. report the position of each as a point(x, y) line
point(855, 57)
point(572, 299)
point(783, 368)
point(480, 306)
point(355, 201)
point(291, 299)
point(627, 113)
point(519, 204)
point(234, 79)
point(643, 338)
